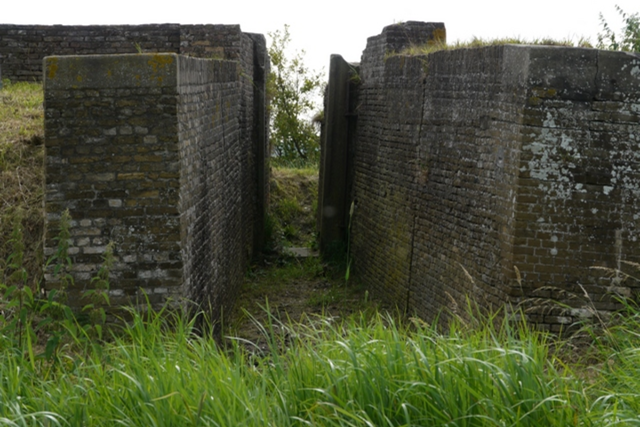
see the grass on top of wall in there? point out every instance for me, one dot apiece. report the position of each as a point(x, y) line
point(425, 49)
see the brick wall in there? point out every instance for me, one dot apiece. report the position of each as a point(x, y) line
point(211, 185)
point(22, 47)
point(474, 163)
point(112, 159)
point(465, 176)
point(146, 151)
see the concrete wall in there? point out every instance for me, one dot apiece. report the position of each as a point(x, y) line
point(22, 47)
point(150, 152)
point(470, 164)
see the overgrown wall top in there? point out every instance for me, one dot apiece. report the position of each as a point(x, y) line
point(393, 40)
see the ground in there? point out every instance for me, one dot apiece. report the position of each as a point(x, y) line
point(295, 288)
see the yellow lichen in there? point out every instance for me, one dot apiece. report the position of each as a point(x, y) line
point(52, 67)
point(543, 92)
point(159, 61)
point(534, 101)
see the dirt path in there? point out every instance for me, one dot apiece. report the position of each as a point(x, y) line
point(294, 288)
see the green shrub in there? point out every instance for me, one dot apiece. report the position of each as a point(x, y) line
point(629, 38)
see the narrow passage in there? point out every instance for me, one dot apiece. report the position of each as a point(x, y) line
point(295, 283)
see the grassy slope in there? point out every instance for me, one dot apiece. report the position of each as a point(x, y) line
point(21, 171)
point(293, 205)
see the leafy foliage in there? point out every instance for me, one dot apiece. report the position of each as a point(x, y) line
point(628, 40)
point(32, 319)
point(292, 88)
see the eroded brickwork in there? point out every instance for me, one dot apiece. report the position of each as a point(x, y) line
point(112, 159)
point(502, 173)
point(579, 188)
point(212, 188)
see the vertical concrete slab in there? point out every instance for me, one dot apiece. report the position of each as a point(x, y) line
point(260, 136)
point(332, 204)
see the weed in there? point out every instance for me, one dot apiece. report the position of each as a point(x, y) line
point(98, 295)
point(60, 260)
point(17, 298)
point(29, 313)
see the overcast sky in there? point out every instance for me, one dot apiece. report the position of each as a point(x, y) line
point(337, 26)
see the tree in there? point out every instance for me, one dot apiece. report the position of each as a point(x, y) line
point(628, 40)
point(292, 90)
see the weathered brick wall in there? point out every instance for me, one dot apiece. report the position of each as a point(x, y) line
point(212, 41)
point(146, 151)
point(385, 152)
point(112, 159)
point(22, 47)
point(465, 178)
point(211, 185)
point(473, 163)
point(433, 192)
point(578, 198)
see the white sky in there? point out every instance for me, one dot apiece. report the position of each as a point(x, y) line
point(331, 26)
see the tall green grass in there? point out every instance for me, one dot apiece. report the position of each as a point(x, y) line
point(361, 372)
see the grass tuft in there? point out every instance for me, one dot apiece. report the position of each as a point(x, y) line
point(425, 49)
